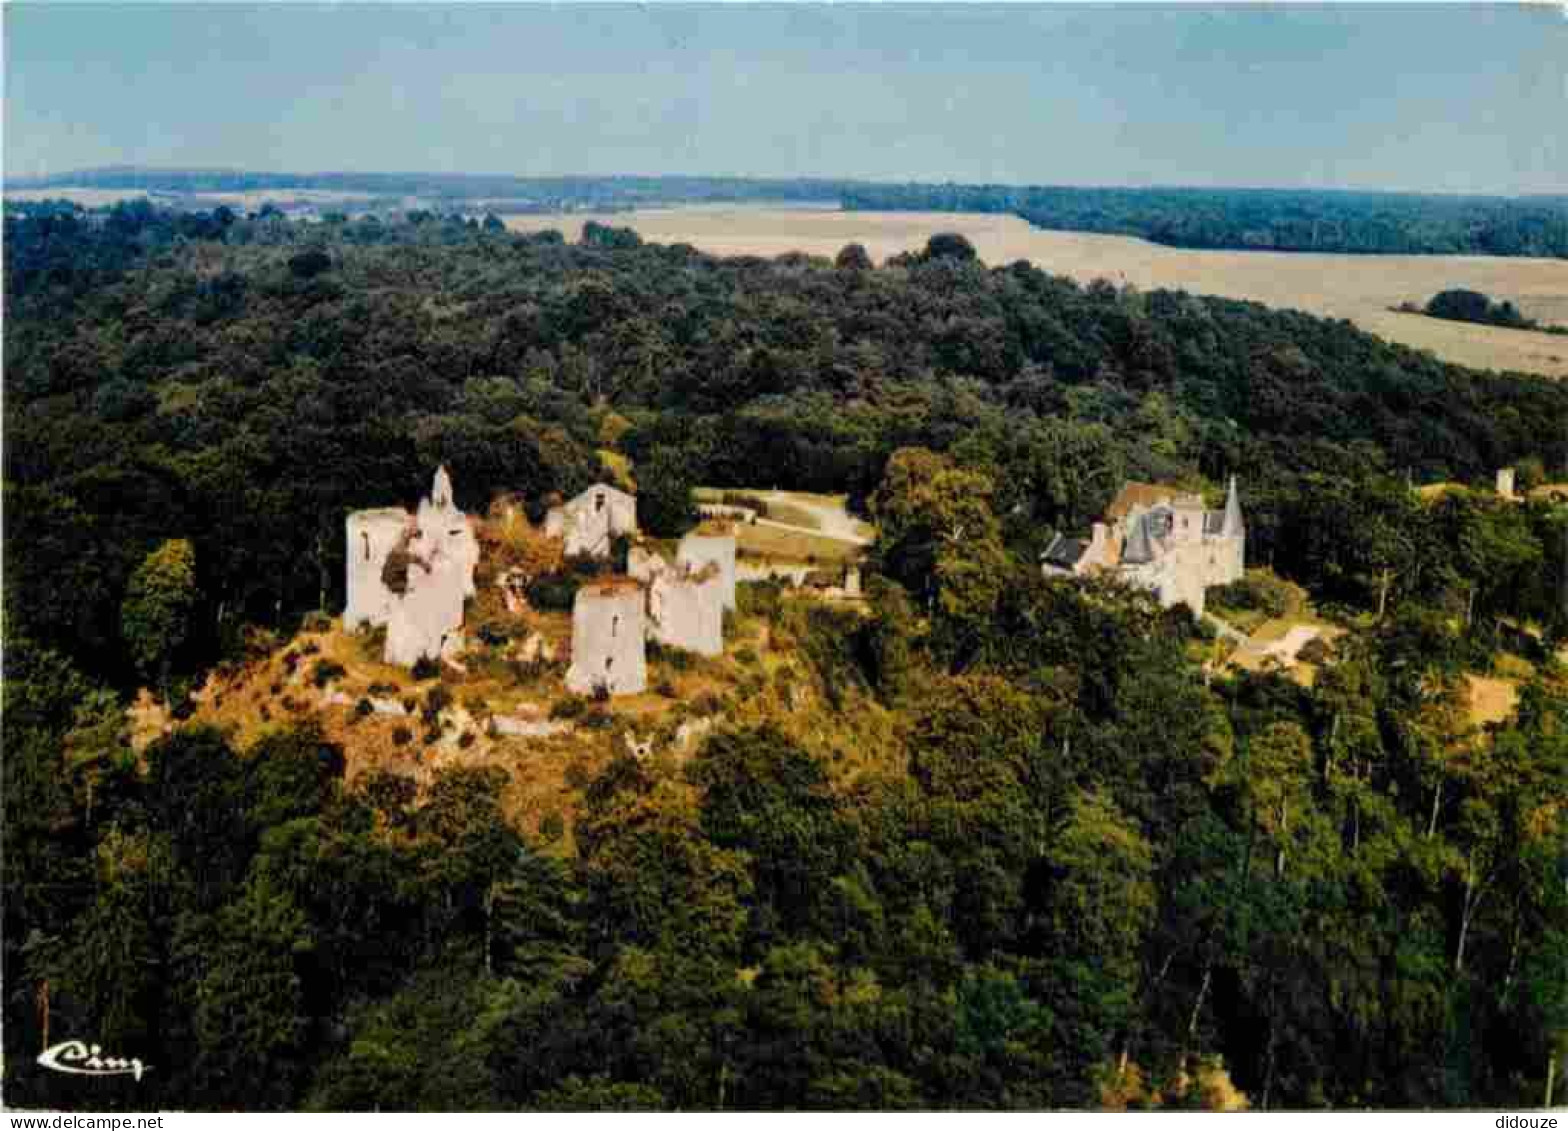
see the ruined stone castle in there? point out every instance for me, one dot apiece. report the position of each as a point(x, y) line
point(411, 573)
point(1161, 539)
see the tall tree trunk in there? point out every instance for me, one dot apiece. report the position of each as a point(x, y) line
point(1437, 798)
point(1474, 894)
point(1513, 954)
point(1284, 831)
point(1197, 1008)
point(1268, 1074)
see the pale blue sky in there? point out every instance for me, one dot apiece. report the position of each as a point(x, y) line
point(1447, 98)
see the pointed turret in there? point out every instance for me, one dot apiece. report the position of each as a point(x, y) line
point(441, 489)
point(1233, 526)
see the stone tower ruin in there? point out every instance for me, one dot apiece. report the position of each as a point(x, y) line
point(411, 573)
point(608, 645)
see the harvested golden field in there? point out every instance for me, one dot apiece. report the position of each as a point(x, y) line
point(1360, 288)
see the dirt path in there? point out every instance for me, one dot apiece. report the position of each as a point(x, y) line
point(833, 520)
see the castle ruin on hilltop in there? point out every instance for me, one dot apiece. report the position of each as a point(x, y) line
point(411, 573)
point(1161, 539)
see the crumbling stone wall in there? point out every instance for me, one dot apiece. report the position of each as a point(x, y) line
point(427, 620)
point(686, 609)
point(591, 521)
point(436, 551)
point(645, 564)
point(698, 550)
point(371, 536)
point(608, 645)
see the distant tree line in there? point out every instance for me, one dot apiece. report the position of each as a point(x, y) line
point(584, 192)
point(1260, 219)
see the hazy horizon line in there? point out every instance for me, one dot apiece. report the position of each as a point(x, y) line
point(57, 180)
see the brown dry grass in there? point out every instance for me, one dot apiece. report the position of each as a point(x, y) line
point(1492, 700)
point(1360, 288)
point(793, 545)
point(757, 678)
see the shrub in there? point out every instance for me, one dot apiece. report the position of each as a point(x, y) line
point(466, 739)
point(382, 689)
point(426, 668)
point(596, 719)
point(553, 827)
point(554, 592)
point(372, 641)
point(401, 736)
point(410, 704)
point(1316, 651)
point(571, 706)
point(666, 688)
point(316, 622)
point(746, 655)
point(677, 658)
point(1255, 591)
point(363, 708)
point(759, 599)
point(325, 671)
point(256, 643)
point(437, 699)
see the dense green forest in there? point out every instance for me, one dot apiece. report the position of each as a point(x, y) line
point(1374, 223)
point(1093, 872)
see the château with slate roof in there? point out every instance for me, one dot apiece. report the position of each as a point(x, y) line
point(1160, 538)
